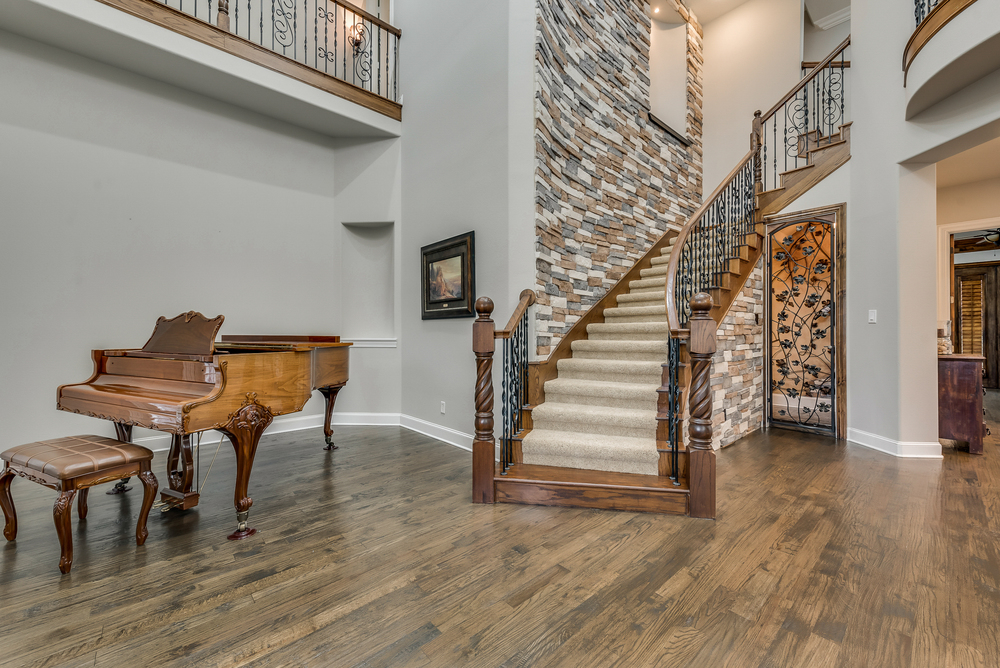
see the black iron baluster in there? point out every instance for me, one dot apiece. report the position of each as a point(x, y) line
point(272, 27)
point(371, 56)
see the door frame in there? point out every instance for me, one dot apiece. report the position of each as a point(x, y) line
point(991, 317)
point(836, 215)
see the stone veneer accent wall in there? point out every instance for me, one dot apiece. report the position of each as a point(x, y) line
point(608, 183)
point(738, 365)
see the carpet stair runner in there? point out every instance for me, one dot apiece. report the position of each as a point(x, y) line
point(600, 412)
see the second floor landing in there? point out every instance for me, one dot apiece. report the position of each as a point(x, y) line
point(346, 90)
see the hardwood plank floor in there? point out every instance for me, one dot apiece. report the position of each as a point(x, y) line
point(824, 554)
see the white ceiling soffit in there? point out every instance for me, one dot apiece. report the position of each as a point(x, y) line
point(979, 163)
point(828, 13)
point(705, 10)
point(664, 11)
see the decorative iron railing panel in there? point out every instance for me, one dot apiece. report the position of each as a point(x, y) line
point(514, 389)
point(715, 239)
point(329, 36)
point(921, 8)
point(810, 118)
point(674, 408)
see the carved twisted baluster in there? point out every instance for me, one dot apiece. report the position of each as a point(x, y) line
point(483, 447)
point(701, 348)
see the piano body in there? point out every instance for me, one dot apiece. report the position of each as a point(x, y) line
point(183, 382)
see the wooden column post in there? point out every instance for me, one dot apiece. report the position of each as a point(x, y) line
point(484, 447)
point(222, 18)
point(701, 348)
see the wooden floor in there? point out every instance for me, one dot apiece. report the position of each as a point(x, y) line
point(824, 554)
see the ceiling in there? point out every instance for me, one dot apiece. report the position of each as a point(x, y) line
point(979, 163)
point(709, 10)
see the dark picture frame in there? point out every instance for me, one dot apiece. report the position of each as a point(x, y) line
point(448, 278)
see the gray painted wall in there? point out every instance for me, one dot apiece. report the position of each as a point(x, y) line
point(455, 179)
point(125, 199)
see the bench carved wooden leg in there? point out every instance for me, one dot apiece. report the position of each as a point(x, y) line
point(7, 503)
point(62, 514)
point(81, 504)
point(149, 486)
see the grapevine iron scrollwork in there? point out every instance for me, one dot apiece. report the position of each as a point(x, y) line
point(802, 353)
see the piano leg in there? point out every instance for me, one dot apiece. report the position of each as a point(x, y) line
point(330, 393)
point(244, 429)
point(124, 433)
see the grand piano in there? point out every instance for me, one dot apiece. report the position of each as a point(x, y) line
point(184, 382)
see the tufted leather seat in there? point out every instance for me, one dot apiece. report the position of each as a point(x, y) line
point(74, 456)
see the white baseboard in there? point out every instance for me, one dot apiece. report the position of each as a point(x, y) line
point(286, 423)
point(385, 419)
point(441, 433)
point(903, 449)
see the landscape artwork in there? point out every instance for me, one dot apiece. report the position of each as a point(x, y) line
point(448, 285)
point(446, 279)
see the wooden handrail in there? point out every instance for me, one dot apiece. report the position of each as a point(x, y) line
point(371, 17)
point(937, 19)
point(527, 299)
point(673, 319)
point(807, 78)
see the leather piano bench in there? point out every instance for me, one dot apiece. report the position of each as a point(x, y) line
point(70, 465)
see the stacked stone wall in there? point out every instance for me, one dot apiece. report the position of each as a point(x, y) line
point(608, 182)
point(738, 365)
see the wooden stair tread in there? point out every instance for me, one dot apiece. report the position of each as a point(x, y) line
point(558, 475)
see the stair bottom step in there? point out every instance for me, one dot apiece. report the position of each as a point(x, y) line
point(581, 488)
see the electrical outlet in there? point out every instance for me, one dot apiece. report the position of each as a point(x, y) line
point(442, 408)
point(872, 317)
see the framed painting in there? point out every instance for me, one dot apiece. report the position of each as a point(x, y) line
point(448, 284)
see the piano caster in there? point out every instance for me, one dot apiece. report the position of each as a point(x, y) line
point(120, 487)
point(329, 444)
point(242, 530)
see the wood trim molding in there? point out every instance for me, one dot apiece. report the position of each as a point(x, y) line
point(198, 30)
point(939, 17)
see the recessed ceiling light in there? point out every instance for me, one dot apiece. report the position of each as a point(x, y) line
point(656, 11)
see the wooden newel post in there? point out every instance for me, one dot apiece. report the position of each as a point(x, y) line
point(756, 141)
point(484, 447)
point(222, 18)
point(701, 348)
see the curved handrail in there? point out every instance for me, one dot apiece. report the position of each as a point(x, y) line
point(673, 320)
point(930, 26)
point(351, 7)
point(527, 299)
point(807, 78)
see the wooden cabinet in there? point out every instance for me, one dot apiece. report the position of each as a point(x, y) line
point(960, 400)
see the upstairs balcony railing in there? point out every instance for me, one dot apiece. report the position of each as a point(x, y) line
point(921, 8)
point(930, 16)
point(330, 36)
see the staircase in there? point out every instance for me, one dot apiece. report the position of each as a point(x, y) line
point(602, 423)
point(600, 410)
